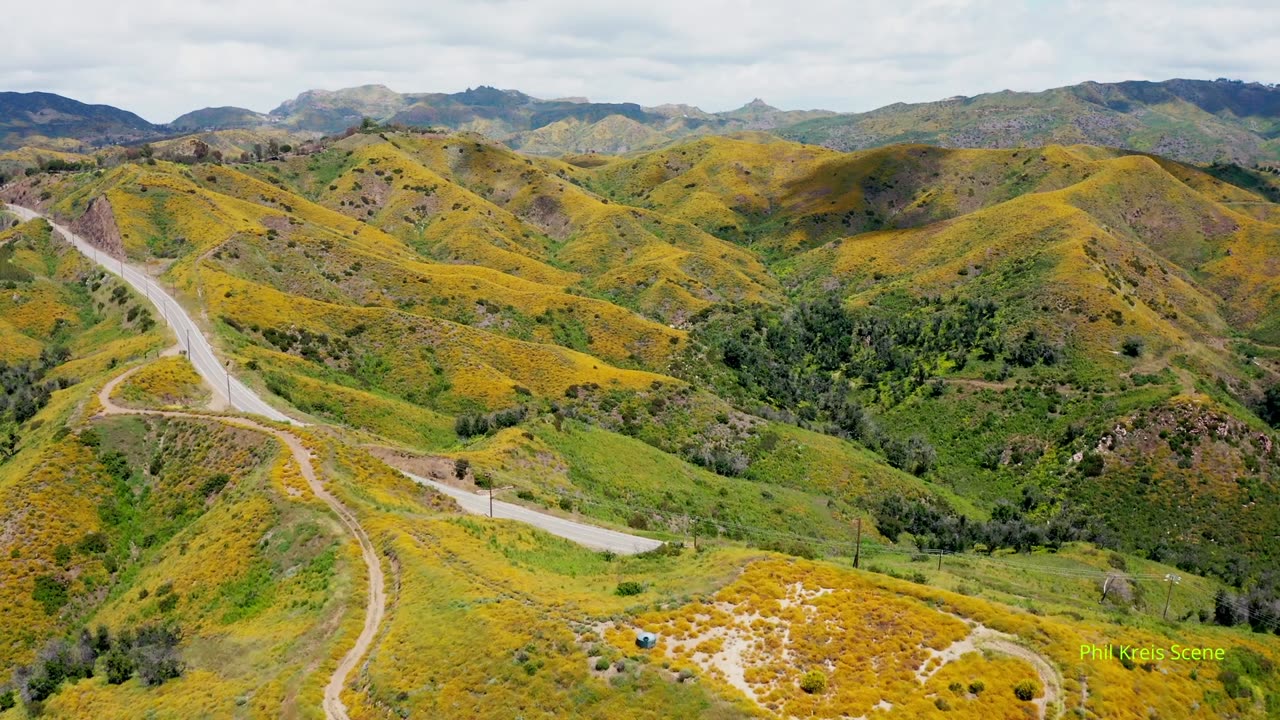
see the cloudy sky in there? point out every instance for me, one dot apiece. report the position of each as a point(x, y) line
point(161, 58)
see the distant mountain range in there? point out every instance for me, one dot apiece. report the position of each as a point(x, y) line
point(1190, 120)
point(522, 121)
point(40, 118)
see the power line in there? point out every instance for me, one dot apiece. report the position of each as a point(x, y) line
point(872, 548)
point(1198, 597)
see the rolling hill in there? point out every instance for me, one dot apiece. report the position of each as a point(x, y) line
point(219, 118)
point(47, 120)
point(1017, 377)
point(1190, 120)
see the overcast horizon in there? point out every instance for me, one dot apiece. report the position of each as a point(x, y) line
point(161, 60)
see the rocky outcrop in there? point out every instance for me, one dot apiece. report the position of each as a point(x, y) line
point(98, 226)
point(25, 192)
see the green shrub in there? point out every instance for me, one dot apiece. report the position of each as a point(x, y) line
point(92, 543)
point(50, 592)
point(214, 484)
point(813, 682)
point(118, 666)
point(628, 587)
point(602, 664)
point(1026, 690)
point(1091, 464)
point(7, 701)
point(977, 686)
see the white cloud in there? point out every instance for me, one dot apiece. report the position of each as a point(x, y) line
point(161, 59)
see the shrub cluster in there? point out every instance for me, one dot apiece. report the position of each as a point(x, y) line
point(151, 654)
point(1258, 607)
point(472, 424)
point(939, 527)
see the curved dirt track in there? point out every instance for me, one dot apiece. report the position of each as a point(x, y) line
point(375, 607)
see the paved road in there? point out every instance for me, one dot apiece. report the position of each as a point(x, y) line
point(590, 536)
point(211, 369)
point(199, 351)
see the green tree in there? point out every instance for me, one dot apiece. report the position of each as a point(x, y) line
point(1133, 346)
point(1269, 410)
point(118, 665)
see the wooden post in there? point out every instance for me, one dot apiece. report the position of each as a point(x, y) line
point(939, 559)
point(490, 498)
point(1172, 580)
point(857, 547)
point(694, 525)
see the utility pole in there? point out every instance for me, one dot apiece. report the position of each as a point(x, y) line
point(1106, 584)
point(939, 559)
point(230, 404)
point(694, 526)
point(857, 548)
point(491, 498)
point(1172, 580)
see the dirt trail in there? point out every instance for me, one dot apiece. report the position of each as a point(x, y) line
point(982, 637)
point(375, 608)
point(1049, 678)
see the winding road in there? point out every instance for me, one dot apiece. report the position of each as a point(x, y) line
point(240, 397)
point(199, 351)
point(201, 354)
